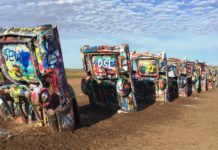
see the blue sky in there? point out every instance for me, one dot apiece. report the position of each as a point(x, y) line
point(183, 28)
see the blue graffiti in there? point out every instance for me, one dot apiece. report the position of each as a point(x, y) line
point(22, 57)
point(49, 57)
point(173, 68)
point(163, 65)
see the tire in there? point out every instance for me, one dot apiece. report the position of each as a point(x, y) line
point(85, 87)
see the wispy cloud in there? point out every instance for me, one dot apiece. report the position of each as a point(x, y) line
point(120, 19)
point(115, 16)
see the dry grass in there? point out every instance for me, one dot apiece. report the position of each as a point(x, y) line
point(75, 73)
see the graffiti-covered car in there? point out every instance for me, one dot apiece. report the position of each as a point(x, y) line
point(199, 80)
point(107, 76)
point(194, 72)
point(150, 76)
point(174, 75)
point(201, 71)
point(180, 67)
point(211, 76)
point(34, 87)
point(188, 74)
point(216, 70)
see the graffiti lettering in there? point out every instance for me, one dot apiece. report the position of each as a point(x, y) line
point(10, 55)
point(21, 56)
point(104, 63)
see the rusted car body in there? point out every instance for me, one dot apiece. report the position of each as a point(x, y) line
point(34, 87)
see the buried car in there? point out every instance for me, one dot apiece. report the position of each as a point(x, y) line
point(107, 76)
point(216, 70)
point(194, 72)
point(199, 80)
point(150, 76)
point(201, 71)
point(182, 71)
point(34, 87)
point(211, 76)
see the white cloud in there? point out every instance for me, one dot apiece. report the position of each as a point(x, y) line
point(119, 19)
point(203, 2)
point(113, 16)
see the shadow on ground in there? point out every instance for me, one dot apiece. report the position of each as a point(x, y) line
point(91, 115)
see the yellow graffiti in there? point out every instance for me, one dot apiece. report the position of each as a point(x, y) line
point(149, 66)
point(16, 91)
point(38, 55)
point(14, 72)
point(16, 30)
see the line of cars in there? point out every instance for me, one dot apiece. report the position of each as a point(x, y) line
point(114, 75)
point(34, 87)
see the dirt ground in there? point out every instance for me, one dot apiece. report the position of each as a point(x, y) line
point(184, 124)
